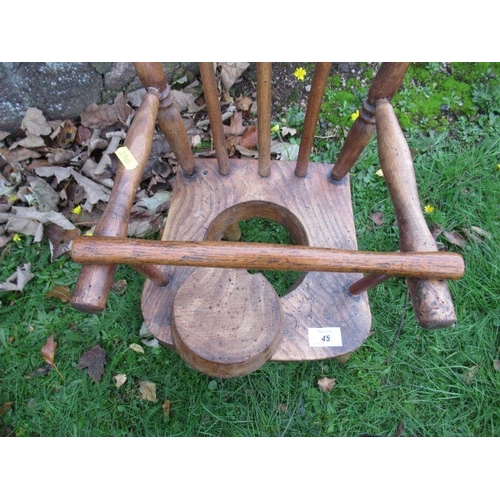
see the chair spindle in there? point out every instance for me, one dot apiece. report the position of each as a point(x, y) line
point(264, 70)
point(385, 84)
point(214, 114)
point(95, 280)
point(320, 77)
point(169, 118)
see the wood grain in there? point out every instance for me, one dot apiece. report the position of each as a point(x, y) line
point(214, 114)
point(315, 211)
point(267, 257)
point(226, 322)
point(431, 299)
point(95, 280)
point(264, 117)
point(320, 78)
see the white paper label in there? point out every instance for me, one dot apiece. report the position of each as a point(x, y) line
point(324, 337)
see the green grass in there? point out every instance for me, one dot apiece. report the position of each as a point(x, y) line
point(437, 383)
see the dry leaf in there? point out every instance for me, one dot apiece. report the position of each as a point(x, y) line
point(119, 287)
point(35, 123)
point(482, 232)
point(64, 134)
point(94, 360)
point(49, 350)
point(62, 293)
point(243, 103)
point(166, 408)
point(8, 404)
point(40, 372)
point(120, 379)
point(470, 374)
point(377, 218)
point(235, 126)
point(17, 281)
point(496, 365)
point(230, 72)
point(136, 348)
point(249, 139)
point(455, 238)
point(60, 240)
point(326, 384)
point(103, 115)
point(148, 391)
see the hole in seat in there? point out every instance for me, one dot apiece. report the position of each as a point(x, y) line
point(264, 222)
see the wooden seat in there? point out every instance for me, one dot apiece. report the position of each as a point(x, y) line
point(198, 297)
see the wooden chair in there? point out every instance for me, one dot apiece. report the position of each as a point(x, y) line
point(199, 298)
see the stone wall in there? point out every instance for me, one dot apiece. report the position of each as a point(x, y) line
point(65, 89)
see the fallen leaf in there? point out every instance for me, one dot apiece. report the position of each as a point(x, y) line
point(119, 287)
point(235, 126)
point(60, 240)
point(62, 293)
point(243, 103)
point(285, 151)
point(30, 141)
point(455, 238)
point(166, 408)
point(326, 384)
point(496, 365)
point(17, 281)
point(470, 374)
point(148, 391)
point(377, 218)
point(40, 372)
point(482, 232)
point(8, 404)
point(472, 236)
point(249, 139)
point(230, 72)
point(120, 379)
point(49, 350)
point(147, 338)
point(94, 360)
point(103, 115)
point(288, 131)
point(64, 134)
point(136, 348)
point(35, 123)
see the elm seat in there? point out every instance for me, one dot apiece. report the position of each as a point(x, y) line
point(198, 297)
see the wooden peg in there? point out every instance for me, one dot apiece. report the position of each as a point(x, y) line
point(431, 298)
point(95, 280)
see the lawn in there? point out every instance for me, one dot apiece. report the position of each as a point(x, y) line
point(404, 381)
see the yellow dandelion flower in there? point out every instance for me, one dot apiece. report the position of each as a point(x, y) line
point(379, 173)
point(300, 73)
point(275, 129)
point(77, 210)
point(16, 238)
point(355, 115)
point(428, 209)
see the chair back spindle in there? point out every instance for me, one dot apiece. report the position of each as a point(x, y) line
point(318, 85)
point(264, 117)
point(207, 72)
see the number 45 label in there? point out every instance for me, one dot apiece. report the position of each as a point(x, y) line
point(324, 337)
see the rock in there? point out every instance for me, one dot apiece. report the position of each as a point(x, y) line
point(65, 89)
point(60, 90)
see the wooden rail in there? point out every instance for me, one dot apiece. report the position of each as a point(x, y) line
point(437, 265)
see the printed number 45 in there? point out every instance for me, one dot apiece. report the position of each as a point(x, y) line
point(325, 338)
